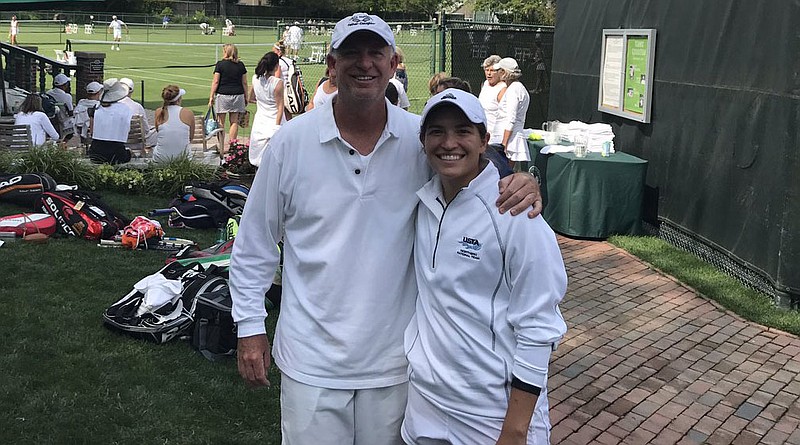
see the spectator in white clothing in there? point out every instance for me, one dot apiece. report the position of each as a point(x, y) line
point(512, 109)
point(174, 126)
point(294, 40)
point(284, 63)
point(267, 93)
point(32, 115)
point(110, 126)
point(402, 97)
point(61, 93)
point(84, 110)
point(325, 92)
point(138, 110)
point(490, 91)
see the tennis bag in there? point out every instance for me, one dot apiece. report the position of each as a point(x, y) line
point(214, 334)
point(162, 306)
point(83, 214)
point(206, 205)
point(25, 189)
point(295, 96)
point(27, 223)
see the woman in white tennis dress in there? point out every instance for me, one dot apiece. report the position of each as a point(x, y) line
point(267, 93)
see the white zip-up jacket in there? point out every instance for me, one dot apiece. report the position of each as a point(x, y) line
point(487, 311)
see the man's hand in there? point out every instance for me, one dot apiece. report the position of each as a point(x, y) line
point(518, 192)
point(254, 360)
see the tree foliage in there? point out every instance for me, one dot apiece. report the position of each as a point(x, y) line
point(541, 12)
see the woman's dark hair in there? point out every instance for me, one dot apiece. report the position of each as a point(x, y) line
point(31, 103)
point(392, 94)
point(267, 64)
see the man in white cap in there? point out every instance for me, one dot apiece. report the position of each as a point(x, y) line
point(338, 185)
point(138, 110)
point(116, 27)
point(61, 93)
point(84, 110)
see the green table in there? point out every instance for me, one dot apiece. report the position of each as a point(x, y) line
point(595, 196)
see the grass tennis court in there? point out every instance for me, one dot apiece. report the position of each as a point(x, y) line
point(153, 55)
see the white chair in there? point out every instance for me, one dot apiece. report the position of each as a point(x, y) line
point(72, 28)
point(88, 29)
point(317, 54)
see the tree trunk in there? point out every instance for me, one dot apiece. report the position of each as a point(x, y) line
point(222, 12)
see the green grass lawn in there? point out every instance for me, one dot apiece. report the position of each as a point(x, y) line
point(67, 379)
point(153, 54)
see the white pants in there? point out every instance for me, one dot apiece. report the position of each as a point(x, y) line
point(427, 424)
point(319, 416)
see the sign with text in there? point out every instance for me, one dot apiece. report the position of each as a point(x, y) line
point(626, 73)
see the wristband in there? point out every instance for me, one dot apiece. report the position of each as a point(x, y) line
point(527, 387)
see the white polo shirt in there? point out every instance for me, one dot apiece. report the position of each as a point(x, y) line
point(348, 227)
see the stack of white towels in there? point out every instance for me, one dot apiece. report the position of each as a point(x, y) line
point(596, 134)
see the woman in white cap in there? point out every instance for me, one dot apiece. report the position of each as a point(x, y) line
point(32, 115)
point(511, 112)
point(174, 125)
point(267, 93)
point(110, 126)
point(84, 110)
point(487, 314)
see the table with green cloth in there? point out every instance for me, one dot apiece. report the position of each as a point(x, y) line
point(594, 196)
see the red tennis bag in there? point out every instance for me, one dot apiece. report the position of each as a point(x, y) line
point(83, 214)
point(27, 223)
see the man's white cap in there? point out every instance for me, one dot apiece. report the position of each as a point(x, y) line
point(60, 79)
point(466, 102)
point(361, 21)
point(507, 64)
point(94, 87)
point(113, 17)
point(128, 83)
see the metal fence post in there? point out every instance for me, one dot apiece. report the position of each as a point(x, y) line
point(443, 41)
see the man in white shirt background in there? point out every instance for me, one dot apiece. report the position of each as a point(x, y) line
point(61, 93)
point(116, 27)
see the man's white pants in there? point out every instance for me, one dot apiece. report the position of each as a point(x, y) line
point(320, 416)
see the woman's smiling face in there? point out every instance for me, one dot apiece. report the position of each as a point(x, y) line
point(453, 145)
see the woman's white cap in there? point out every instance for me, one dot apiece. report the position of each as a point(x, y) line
point(361, 21)
point(466, 102)
point(128, 83)
point(507, 64)
point(181, 92)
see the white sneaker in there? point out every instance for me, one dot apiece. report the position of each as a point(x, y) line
point(117, 48)
point(112, 47)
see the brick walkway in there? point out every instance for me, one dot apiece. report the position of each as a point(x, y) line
point(647, 360)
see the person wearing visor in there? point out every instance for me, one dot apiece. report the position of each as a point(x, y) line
point(174, 126)
point(487, 314)
point(338, 185)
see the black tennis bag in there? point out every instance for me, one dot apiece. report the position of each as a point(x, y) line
point(214, 333)
point(135, 316)
point(25, 189)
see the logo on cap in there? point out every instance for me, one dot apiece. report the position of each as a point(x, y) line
point(448, 96)
point(361, 19)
